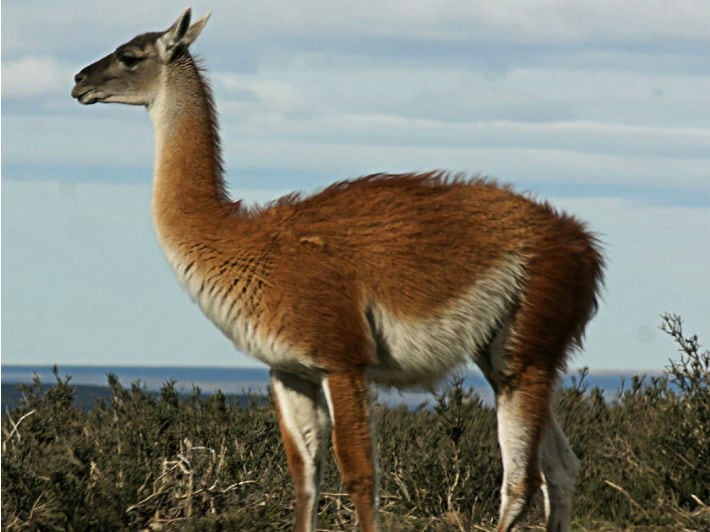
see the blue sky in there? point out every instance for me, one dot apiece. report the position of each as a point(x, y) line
point(601, 107)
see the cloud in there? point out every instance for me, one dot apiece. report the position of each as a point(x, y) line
point(335, 146)
point(32, 76)
point(249, 95)
point(530, 21)
point(486, 34)
point(374, 28)
point(591, 98)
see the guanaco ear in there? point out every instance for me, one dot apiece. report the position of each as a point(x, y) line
point(194, 31)
point(180, 35)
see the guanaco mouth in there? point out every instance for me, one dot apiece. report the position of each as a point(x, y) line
point(87, 96)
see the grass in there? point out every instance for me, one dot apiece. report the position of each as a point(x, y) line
point(146, 461)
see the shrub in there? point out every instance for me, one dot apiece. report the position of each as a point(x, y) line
point(645, 456)
point(157, 461)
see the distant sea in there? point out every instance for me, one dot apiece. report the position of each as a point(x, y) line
point(92, 381)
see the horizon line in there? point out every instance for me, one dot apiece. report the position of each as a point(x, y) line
point(469, 368)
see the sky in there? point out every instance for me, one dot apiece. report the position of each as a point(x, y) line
point(600, 107)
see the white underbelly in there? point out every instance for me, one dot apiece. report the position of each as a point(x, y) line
point(419, 353)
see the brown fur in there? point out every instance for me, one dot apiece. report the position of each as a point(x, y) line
point(302, 275)
point(352, 443)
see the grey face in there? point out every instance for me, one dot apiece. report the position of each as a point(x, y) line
point(132, 74)
point(128, 75)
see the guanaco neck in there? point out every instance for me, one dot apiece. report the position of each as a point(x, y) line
point(189, 197)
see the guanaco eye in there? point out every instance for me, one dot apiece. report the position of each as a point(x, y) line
point(129, 60)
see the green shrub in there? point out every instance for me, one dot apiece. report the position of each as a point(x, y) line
point(158, 461)
point(646, 455)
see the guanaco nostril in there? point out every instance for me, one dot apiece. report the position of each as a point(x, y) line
point(79, 77)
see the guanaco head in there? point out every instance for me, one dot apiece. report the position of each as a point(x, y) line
point(133, 73)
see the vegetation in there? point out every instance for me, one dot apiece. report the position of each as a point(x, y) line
point(144, 461)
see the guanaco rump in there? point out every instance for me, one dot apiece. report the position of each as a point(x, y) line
point(386, 279)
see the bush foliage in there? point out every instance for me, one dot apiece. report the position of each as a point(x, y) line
point(156, 461)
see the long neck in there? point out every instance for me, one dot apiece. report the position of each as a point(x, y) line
point(188, 186)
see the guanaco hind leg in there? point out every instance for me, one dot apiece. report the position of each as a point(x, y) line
point(348, 398)
point(559, 469)
point(303, 420)
point(519, 439)
point(535, 453)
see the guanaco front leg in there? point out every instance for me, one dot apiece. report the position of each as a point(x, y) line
point(303, 420)
point(349, 403)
